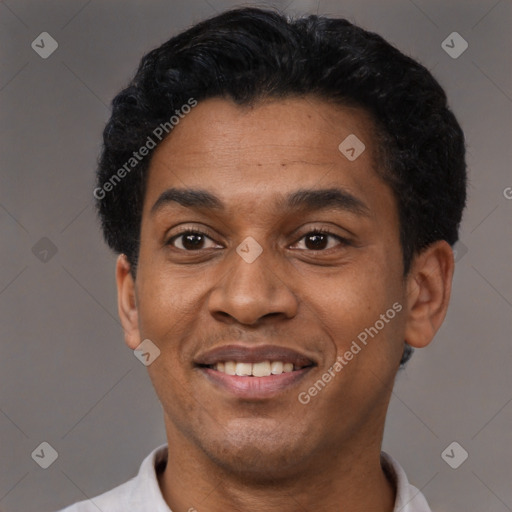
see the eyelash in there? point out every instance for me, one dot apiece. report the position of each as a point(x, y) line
point(320, 231)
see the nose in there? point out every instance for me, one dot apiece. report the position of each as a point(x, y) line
point(251, 293)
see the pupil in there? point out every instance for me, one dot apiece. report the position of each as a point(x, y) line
point(188, 242)
point(319, 242)
point(313, 242)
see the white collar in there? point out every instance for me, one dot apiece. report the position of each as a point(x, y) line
point(408, 497)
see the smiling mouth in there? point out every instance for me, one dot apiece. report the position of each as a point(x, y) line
point(259, 369)
point(257, 372)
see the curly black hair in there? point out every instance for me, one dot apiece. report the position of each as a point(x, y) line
point(251, 54)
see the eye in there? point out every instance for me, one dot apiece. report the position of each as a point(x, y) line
point(191, 240)
point(195, 240)
point(319, 240)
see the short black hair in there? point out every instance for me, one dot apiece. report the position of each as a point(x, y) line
point(252, 54)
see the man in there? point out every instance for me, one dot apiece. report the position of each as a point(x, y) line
point(283, 196)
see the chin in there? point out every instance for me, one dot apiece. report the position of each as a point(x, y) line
point(261, 456)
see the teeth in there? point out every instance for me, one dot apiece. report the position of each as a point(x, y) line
point(260, 369)
point(243, 369)
point(288, 367)
point(229, 367)
point(276, 367)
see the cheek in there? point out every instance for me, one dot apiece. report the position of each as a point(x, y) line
point(168, 305)
point(351, 299)
point(361, 311)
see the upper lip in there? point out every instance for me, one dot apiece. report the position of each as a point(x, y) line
point(252, 354)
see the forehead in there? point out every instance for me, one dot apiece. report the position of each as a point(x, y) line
point(275, 146)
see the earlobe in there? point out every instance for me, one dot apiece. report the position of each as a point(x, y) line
point(428, 293)
point(126, 302)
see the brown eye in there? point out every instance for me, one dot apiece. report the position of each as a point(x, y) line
point(316, 242)
point(321, 240)
point(191, 241)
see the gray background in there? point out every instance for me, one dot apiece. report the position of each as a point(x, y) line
point(66, 376)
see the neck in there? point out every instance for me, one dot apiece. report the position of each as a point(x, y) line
point(349, 479)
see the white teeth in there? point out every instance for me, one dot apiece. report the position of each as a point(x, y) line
point(276, 367)
point(229, 367)
point(260, 369)
point(288, 367)
point(243, 369)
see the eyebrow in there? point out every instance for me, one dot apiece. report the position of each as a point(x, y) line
point(302, 199)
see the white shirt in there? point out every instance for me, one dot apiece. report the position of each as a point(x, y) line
point(142, 493)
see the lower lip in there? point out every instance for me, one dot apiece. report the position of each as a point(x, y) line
point(255, 387)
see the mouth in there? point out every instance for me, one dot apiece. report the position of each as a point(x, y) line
point(256, 373)
point(259, 369)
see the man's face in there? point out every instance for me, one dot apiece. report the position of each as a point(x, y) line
point(305, 298)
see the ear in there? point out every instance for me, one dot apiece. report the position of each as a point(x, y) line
point(126, 302)
point(429, 285)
